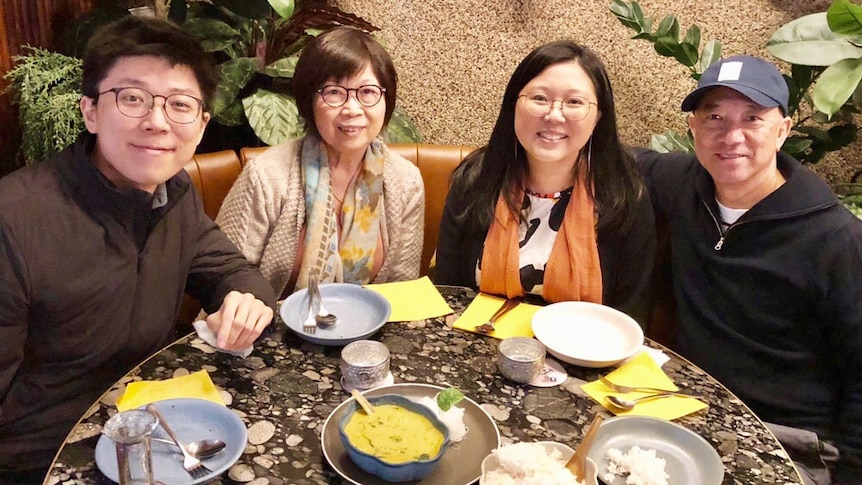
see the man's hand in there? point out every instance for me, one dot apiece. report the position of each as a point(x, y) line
point(239, 321)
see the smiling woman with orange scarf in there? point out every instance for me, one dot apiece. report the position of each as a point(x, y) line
point(553, 205)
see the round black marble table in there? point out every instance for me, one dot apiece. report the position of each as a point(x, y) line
point(287, 387)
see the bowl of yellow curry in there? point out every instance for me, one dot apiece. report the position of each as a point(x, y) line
point(400, 441)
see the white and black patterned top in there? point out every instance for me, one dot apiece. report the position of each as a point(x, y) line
point(544, 216)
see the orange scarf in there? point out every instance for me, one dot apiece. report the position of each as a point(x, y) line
point(573, 271)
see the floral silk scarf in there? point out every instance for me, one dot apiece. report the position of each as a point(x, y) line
point(347, 257)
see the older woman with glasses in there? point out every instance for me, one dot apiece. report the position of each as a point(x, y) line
point(335, 202)
point(553, 205)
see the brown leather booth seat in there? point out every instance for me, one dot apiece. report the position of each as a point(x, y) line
point(213, 174)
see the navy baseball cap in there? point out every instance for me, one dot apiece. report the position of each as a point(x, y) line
point(753, 77)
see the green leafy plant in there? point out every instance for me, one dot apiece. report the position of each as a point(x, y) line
point(824, 51)
point(822, 120)
point(46, 87)
point(258, 43)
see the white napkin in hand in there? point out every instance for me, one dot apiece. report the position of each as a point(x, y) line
point(211, 338)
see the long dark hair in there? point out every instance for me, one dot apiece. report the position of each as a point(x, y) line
point(501, 166)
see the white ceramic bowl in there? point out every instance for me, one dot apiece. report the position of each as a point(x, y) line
point(587, 334)
point(490, 462)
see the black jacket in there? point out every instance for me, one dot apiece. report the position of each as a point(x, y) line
point(773, 309)
point(91, 281)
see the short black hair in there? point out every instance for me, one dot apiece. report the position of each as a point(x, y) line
point(337, 54)
point(146, 36)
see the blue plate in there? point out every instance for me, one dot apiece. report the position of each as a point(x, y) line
point(360, 311)
point(191, 420)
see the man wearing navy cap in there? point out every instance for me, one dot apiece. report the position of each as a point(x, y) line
point(767, 268)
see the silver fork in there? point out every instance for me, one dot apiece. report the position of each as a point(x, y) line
point(192, 465)
point(309, 326)
point(488, 326)
point(626, 389)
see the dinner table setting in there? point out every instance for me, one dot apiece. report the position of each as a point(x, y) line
point(496, 387)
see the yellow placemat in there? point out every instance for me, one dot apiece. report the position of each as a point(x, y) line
point(642, 370)
point(197, 385)
point(516, 323)
point(412, 300)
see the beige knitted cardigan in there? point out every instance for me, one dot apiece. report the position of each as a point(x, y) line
point(264, 212)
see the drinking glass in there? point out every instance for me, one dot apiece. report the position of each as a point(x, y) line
point(130, 431)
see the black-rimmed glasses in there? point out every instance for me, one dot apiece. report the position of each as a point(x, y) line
point(336, 96)
point(138, 102)
point(574, 108)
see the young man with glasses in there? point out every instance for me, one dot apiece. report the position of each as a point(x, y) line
point(767, 268)
point(101, 241)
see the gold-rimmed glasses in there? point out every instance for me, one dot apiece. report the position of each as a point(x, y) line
point(138, 102)
point(574, 108)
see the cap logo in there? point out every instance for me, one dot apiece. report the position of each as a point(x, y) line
point(730, 71)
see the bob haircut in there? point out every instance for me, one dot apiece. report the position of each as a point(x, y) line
point(337, 54)
point(146, 37)
point(611, 176)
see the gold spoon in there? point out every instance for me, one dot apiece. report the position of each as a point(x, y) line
point(366, 405)
point(577, 464)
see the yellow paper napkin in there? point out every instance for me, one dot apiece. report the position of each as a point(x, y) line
point(412, 300)
point(197, 385)
point(516, 323)
point(642, 370)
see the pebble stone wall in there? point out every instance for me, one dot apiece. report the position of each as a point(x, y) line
point(454, 57)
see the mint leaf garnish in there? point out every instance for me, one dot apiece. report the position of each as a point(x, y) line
point(448, 398)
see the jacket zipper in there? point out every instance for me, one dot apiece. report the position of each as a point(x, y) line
point(723, 236)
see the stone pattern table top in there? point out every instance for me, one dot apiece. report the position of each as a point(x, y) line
point(286, 389)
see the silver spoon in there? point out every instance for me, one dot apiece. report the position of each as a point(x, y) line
point(628, 404)
point(199, 449)
point(323, 317)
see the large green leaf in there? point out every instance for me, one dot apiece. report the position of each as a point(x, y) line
point(692, 36)
point(686, 54)
point(214, 34)
point(234, 75)
point(709, 55)
point(284, 8)
point(282, 67)
point(836, 84)
point(671, 141)
point(232, 115)
point(666, 46)
point(668, 27)
point(809, 41)
point(273, 116)
point(844, 17)
point(401, 129)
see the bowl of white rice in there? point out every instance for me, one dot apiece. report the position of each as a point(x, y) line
point(538, 463)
